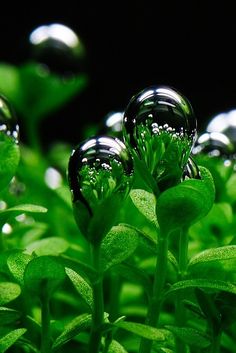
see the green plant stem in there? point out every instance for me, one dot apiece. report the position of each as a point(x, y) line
point(33, 135)
point(98, 302)
point(45, 321)
point(215, 348)
point(114, 302)
point(180, 311)
point(154, 308)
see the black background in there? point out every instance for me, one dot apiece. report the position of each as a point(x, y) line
point(130, 46)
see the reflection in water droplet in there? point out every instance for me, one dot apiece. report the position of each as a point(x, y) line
point(214, 144)
point(8, 122)
point(58, 47)
point(99, 167)
point(191, 170)
point(160, 125)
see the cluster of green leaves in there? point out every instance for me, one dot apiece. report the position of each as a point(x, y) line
point(47, 278)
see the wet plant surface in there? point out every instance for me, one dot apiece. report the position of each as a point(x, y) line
point(123, 243)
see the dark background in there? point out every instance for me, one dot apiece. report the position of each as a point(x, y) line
point(130, 46)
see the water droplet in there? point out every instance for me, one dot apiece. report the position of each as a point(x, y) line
point(159, 123)
point(191, 170)
point(52, 178)
point(8, 122)
point(214, 144)
point(224, 123)
point(99, 167)
point(59, 48)
point(114, 123)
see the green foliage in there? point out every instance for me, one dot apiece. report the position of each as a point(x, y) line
point(62, 266)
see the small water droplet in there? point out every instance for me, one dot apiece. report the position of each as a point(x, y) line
point(59, 48)
point(52, 178)
point(99, 167)
point(214, 144)
point(8, 121)
point(191, 170)
point(159, 123)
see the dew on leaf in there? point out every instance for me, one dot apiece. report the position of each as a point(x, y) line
point(98, 168)
point(59, 48)
point(160, 125)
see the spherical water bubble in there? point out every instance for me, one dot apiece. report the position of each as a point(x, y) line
point(59, 48)
point(114, 122)
point(98, 168)
point(159, 123)
point(224, 123)
point(8, 121)
point(213, 144)
point(191, 170)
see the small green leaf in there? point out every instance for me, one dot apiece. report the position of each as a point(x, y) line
point(82, 286)
point(184, 204)
point(190, 336)
point(141, 330)
point(9, 160)
point(116, 347)
point(77, 325)
point(25, 208)
point(17, 263)
point(118, 245)
point(48, 246)
point(42, 274)
point(8, 292)
point(9, 339)
point(145, 202)
point(223, 253)
point(8, 316)
point(19, 209)
point(202, 283)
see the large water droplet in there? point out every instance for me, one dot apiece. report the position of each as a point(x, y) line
point(159, 123)
point(224, 123)
point(8, 121)
point(59, 48)
point(191, 170)
point(213, 144)
point(99, 167)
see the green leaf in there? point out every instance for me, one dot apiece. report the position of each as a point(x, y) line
point(118, 245)
point(141, 330)
point(77, 325)
point(145, 202)
point(223, 253)
point(202, 283)
point(8, 292)
point(180, 206)
point(82, 286)
point(9, 339)
point(48, 246)
point(17, 263)
point(116, 347)
point(9, 160)
point(8, 316)
point(42, 274)
point(19, 209)
point(190, 336)
point(104, 218)
point(49, 94)
point(9, 81)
